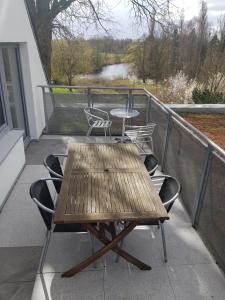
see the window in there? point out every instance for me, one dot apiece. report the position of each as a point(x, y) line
point(12, 106)
point(2, 115)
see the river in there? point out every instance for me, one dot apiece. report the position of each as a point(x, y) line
point(111, 72)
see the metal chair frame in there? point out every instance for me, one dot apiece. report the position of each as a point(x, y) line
point(141, 134)
point(49, 232)
point(93, 121)
point(152, 171)
point(49, 169)
point(155, 179)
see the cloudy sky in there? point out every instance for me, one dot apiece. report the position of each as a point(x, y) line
point(124, 27)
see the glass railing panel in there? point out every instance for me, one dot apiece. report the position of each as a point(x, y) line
point(211, 223)
point(185, 159)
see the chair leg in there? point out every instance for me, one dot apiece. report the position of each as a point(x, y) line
point(105, 132)
point(121, 246)
point(110, 135)
point(89, 131)
point(44, 251)
point(152, 146)
point(92, 241)
point(163, 240)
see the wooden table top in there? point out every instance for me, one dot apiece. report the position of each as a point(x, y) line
point(106, 182)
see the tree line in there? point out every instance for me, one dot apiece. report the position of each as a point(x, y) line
point(73, 56)
point(194, 48)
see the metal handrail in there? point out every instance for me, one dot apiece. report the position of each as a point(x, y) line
point(83, 87)
point(156, 100)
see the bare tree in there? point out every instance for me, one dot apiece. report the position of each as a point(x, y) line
point(50, 15)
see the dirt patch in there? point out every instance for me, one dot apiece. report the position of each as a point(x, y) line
point(212, 125)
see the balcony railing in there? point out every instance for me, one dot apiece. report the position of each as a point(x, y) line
point(64, 110)
point(183, 151)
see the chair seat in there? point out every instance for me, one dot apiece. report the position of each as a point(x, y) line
point(134, 135)
point(69, 228)
point(102, 124)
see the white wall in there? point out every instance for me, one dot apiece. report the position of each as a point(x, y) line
point(15, 28)
point(10, 168)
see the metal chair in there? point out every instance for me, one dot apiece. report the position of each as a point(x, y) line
point(141, 134)
point(95, 121)
point(151, 163)
point(52, 163)
point(168, 193)
point(41, 196)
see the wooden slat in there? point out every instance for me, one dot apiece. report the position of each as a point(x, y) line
point(106, 182)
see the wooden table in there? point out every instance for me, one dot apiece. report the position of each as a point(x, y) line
point(104, 183)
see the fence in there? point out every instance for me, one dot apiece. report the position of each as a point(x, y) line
point(183, 151)
point(199, 165)
point(64, 110)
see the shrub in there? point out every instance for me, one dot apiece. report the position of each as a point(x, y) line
point(178, 89)
point(206, 97)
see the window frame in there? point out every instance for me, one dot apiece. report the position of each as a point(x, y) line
point(4, 128)
point(8, 125)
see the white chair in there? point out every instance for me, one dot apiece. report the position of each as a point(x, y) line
point(95, 121)
point(141, 134)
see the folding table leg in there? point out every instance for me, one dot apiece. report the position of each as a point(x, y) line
point(109, 245)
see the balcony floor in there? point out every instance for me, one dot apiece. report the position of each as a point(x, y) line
point(190, 274)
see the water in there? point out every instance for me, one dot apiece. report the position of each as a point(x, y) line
point(111, 72)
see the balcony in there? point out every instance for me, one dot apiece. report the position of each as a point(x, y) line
point(192, 271)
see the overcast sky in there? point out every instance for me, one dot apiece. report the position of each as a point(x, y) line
point(124, 27)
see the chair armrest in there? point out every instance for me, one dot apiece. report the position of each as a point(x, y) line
point(51, 179)
point(61, 155)
point(135, 127)
point(102, 111)
point(144, 154)
point(95, 117)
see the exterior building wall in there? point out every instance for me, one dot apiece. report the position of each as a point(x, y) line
point(15, 28)
point(12, 164)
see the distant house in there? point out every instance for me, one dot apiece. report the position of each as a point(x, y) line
point(21, 103)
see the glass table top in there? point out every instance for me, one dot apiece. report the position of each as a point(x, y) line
point(124, 113)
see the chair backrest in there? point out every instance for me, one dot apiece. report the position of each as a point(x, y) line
point(88, 115)
point(39, 192)
point(145, 133)
point(151, 163)
point(52, 163)
point(169, 191)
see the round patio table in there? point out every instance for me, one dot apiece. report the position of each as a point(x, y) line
point(124, 113)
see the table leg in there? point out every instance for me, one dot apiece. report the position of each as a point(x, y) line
point(109, 245)
point(130, 258)
point(123, 129)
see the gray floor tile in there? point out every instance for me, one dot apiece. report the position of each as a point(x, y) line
point(66, 250)
point(184, 246)
point(145, 243)
point(19, 263)
point(84, 285)
point(197, 282)
point(32, 173)
point(55, 137)
point(37, 151)
point(46, 147)
point(16, 291)
point(178, 215)
point(20, 197)
point(20, 228)
point(137, 284)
